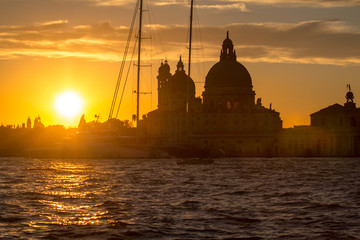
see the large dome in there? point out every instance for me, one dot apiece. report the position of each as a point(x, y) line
point(228, 73)
point(228, 82)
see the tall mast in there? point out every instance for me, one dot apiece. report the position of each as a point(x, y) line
point(189, 66)
point(121, 71)
point(190, 37)
point(138, 70)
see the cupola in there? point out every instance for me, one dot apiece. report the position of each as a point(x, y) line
point(228, 81)
point(227, 52)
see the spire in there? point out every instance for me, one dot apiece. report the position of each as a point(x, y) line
point(180, 65)
point(227, 35)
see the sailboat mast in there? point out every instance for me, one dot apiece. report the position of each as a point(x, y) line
point(190, 35)
point(138, 70)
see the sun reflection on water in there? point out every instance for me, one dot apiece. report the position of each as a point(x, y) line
point(71, 193)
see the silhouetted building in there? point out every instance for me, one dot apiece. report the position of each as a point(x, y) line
point(228, 120)
point(28, 123)
point(38, 123)
point(334, 131)
point(82, 123)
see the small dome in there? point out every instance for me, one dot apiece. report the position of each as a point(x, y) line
point(227, 42)
point(180, 82)
point(164, 67)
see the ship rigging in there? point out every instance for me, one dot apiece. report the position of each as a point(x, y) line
point(124, 73)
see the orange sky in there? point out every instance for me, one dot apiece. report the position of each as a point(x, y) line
point(300, 54)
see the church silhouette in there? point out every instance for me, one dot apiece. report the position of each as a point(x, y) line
point(227, 121)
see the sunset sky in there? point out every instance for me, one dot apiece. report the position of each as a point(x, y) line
point(301, 54)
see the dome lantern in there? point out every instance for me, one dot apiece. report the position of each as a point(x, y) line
point(180, 66)
point(227, 51)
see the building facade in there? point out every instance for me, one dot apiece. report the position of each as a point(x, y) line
point(334, 131)
point(226, 119)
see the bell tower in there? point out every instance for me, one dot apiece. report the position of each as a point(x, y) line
point(163, 78)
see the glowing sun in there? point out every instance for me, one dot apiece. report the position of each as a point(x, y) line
point(69, 104)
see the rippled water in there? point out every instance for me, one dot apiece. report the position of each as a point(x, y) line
point(158, 199)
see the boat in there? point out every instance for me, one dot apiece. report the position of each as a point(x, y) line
point(139, 8)
point(141, 139)
point(194, 161)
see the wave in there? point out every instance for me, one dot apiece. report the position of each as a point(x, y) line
point(239, 199)
point(11, 219)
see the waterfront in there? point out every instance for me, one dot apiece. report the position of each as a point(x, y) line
point(245, 198)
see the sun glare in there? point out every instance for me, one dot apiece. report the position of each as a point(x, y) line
point(68, 104)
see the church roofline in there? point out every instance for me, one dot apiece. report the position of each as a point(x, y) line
point(334, 109)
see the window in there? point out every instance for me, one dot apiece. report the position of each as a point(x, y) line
point(236, 104)
point(228, 105)
point(353, 122)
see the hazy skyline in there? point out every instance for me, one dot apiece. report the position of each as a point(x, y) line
point(300, 54)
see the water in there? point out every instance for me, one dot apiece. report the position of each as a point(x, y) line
point(158, 199)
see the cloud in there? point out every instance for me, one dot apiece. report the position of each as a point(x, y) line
point(171, 2)
point(305, 3)
point(217, 5)
point(35, 27)
point(326, 39)
point(319, 42)
point(232, 6)
point(58, 39)
point(241, 5)
point(111, 3)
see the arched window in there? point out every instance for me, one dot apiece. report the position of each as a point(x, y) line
point(236, 104)
point(228, 105)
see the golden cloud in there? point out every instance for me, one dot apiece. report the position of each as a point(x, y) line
point(304, 3)
point(321, 41)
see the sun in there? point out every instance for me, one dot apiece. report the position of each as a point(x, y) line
point(69, 104)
